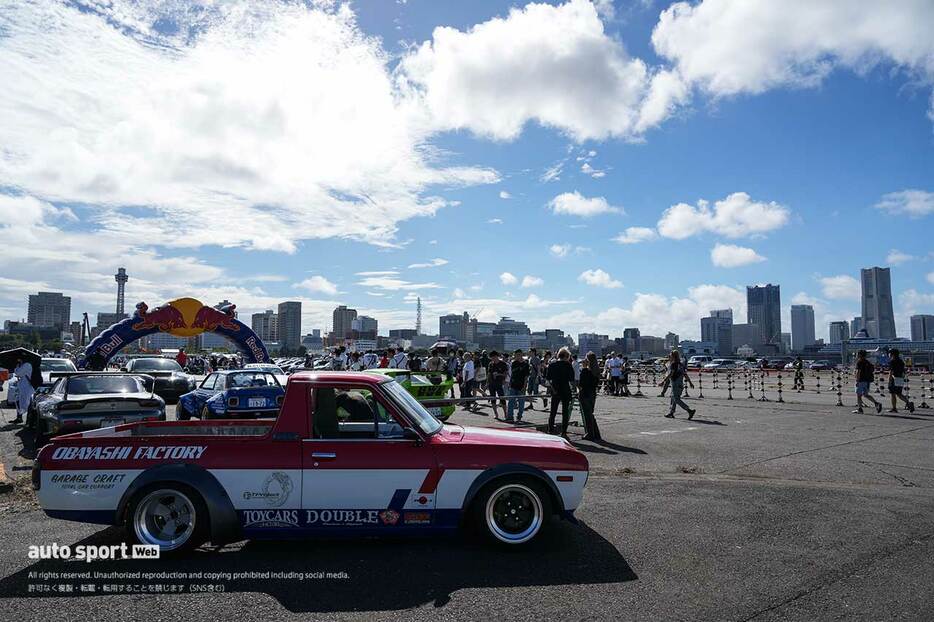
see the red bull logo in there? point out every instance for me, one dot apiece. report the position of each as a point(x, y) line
point(166, 318)
point(209, 318)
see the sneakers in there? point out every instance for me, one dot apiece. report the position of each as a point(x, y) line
point(878, 408)
point(18, 420)
point(911, 407)
point(669, 416)
point(893, 410)
point(858, 411)
point(691, 414)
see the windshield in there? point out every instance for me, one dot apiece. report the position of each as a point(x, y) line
point(56, 365)
point(92, 385)
point(272, 369)
point(155, 365)
point(251, 379)
point(424, 420)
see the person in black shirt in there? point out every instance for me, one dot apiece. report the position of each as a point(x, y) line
point(518, 379)
point(496, 377)
point(561, 376)
point(587, 396)
point(897, 382)
point(864, 378)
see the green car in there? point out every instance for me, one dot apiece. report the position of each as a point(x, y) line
point(425, 386)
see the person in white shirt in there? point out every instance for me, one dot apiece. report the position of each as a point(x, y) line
point(398, 360)
point(24, 389)
point(615, 365)
point(468, 379)
point(370, 360)
point(576, 364)
point(356, 362)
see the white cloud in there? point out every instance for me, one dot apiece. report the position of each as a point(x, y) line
point(598, 278)
point(552, 173)
point(896, 257)
point(575, 204)
point(554, 65)
point(731, 256)
point(593, 172)
point(913, 203)
point(280, 115)
point(393, 283)
point(532, 281)
point(840, 287)
point(495, 221)
point(318, 284)
point(378, 273)
point(504, 195)
point(560, 250)
point(434, 263)
point(458, 292)
point(735, 216)
point(931, 278)
point(728, 47)
point(508, 279)
point(635, 235)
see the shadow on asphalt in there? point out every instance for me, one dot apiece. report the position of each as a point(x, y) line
point(606, 447)
point(381, 574)
point(707, 421)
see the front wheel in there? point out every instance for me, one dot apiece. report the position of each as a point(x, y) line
point(205, 414)
point(169, 515)
point(513, 511)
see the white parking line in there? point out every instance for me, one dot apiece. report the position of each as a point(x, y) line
point(668, 431)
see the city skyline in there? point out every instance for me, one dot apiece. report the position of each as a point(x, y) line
point(653, 165)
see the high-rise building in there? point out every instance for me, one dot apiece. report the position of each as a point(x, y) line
point(50, 309)
point(746, 335)
point(342, 322)
point(802, 327)
point(364, 327)
point(878, 317)
point(786, 343)
point(121, 278)
point(591, 342)
point(839, 332)
point(453, 326)
point(402, 333)
point(922, 327)
point(266, 325)
point(290, 325)
point(718, 328)
point(671, 341)
point(856, 324)
point(764, 308)
point(631, 340)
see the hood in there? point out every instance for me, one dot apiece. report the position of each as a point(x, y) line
point(499, 436)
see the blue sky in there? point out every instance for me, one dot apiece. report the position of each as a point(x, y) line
point(488, 157)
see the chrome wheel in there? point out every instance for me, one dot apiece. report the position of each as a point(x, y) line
point(514, 513)
point(165, 518)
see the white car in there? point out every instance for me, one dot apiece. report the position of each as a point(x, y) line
point(698, 361)
point(275, 370)
point(721, 364)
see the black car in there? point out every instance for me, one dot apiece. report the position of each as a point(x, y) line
point(92, 400)
point(171, 381)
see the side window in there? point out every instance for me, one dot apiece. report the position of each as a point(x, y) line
point(352, 414)
point(209, 382)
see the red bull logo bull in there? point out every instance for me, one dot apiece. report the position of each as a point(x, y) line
point(165, 318)
point(209, 318)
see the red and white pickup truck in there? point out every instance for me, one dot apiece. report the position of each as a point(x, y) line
point(349, 453)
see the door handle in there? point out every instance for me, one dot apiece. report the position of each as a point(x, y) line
point(324, 455)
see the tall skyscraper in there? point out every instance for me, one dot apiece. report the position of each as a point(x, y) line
point(290, 325)
point(856, 324)
point(839, 332)
point(802, 327)
point(364, 327)
point(342, 322)
point(266, 325)
point(49, 309)
point(718, 328)
point(922, 327)
point(121, 278)
point(878, 317)
point(764, 308)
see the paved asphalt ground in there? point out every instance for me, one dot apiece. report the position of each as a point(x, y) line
point(752, 511)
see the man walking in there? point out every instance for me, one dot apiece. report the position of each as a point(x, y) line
point(897, 382)
point(799, 374)
point(496, 377)
point(517, 383)
point(535, 367)
point(561, 376)
point(864, 376)
point(677, 372)
point(614, 364)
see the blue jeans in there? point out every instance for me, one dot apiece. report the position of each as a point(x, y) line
point(510, 391)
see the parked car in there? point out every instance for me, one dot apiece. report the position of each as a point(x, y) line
point(820, 365)
point(425, 386)
point(92, 400)
point(171, 381)
point(275, 370)
point(46, 366)
point(176, 484)
point(720, 364)
point(233, 394)
point(699, 360)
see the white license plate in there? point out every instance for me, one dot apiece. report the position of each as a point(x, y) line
point(435, 411)
point(256, 402)
point(109, 423)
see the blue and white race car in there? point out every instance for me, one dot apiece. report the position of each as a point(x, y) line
point(233, 394)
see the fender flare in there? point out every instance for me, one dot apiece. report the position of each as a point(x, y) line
point(225, 523)
point(503, 470)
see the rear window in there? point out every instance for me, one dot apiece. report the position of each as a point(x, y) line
point(251, 379)
point(92, 385)
point(56, 365)
point(155, 365)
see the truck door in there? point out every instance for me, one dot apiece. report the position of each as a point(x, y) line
point(359, 470)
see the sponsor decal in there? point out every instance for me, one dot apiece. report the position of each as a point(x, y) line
point(167, 452)
point(342, 518)
point(86, 481)
point(276, 490)
point(416, 518)
point(270, 518)
point(389, 517)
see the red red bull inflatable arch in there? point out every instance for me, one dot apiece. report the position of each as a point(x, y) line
point(184, 317)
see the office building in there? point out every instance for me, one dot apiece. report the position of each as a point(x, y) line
point(290, 325)
point(922, 327)
point(49, 309)
point(671, 341)
point(839, 332)
point(746, 335)
point(364, 327)
point(764, 309)
point(786, 343)
point(266, 325)
point(802, 327)
point(718, 328)
point(402, 333)
point(856, 325)
point(342, 322)
point(878, 317)
point(454, 326)
point(591, 342)
point(631, 340)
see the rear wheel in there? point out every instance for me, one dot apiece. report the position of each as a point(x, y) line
point(168, 515)
point(513, 511)
point(181, 413)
